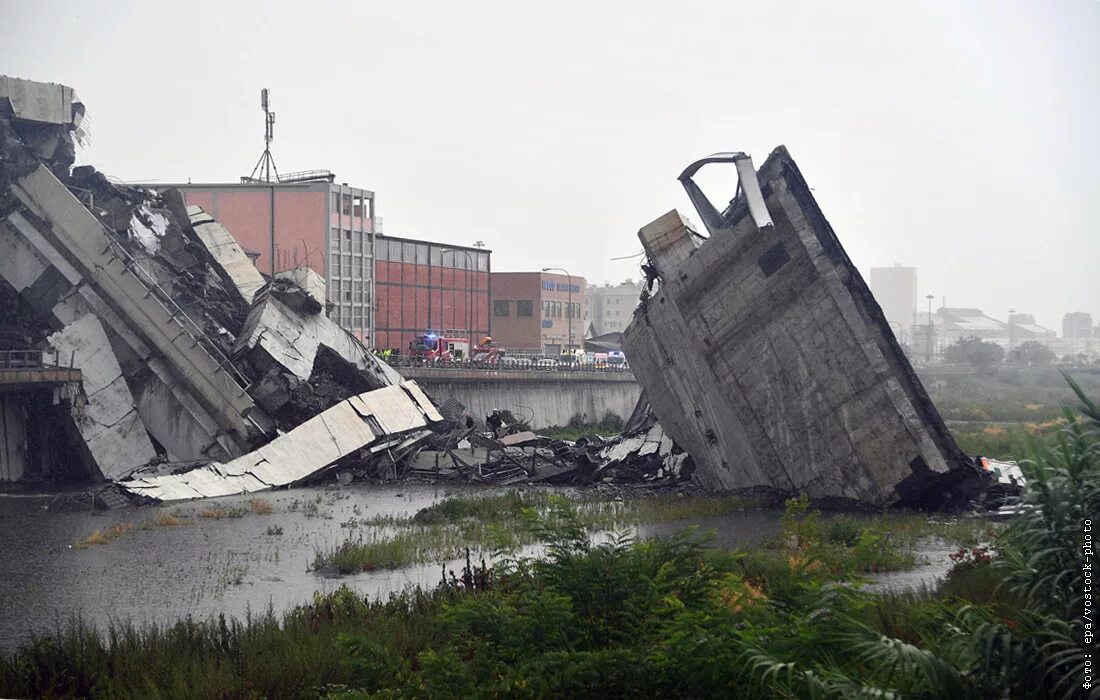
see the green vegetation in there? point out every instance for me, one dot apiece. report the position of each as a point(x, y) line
point(499, 523)
point(579, 426)
point(1007, 441)
point(669, 617)
point(979, 354)
point(999, 414)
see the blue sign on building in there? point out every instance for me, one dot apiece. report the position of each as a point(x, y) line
point(552, 286)
point(547, 323)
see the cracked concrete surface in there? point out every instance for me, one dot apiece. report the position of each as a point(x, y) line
point(765, 356)
point(107, 418)
point(303, 452)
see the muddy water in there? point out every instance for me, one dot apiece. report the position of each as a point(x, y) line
point(211, 566)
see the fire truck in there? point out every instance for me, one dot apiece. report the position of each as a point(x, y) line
point(435, 347)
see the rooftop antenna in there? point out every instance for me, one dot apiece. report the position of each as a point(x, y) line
point(266, 165)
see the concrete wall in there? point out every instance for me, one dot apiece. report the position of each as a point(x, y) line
point(552, 398)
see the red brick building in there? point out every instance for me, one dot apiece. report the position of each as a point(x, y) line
point(532, 311)
point(421, 286)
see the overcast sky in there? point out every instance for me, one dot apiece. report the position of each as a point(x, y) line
point(957, 137)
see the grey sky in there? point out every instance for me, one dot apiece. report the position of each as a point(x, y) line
point(960, 138)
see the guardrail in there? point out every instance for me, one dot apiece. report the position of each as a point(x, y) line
point(31, 359)
point(506, 364)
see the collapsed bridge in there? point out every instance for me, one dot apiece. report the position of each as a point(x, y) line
point(765, 356)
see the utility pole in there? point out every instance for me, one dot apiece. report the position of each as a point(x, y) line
point(1011, 329)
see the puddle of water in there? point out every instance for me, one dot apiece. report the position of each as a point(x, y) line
point(228, 565)
point(934, 561)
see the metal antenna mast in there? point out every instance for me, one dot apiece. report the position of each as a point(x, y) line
point(266, 165)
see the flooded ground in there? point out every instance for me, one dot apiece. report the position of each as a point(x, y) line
point(227, 565)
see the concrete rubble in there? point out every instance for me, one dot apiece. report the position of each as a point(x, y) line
point(765, 356)
point(181, 341)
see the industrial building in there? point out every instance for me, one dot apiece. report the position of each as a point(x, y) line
point(537, 312)
point(422, 286)
point(302, 220)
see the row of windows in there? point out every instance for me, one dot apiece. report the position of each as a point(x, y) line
point(354, 316)
point(421, 253)
point(350, 205)
point(553, 309)
point(349, 291)
point(524, 307)
point(350, 266)
point(349, 241)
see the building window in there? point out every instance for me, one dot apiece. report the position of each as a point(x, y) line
point(408, 251)
point(525, 307)
point(421, 254)
point(502, 308)
point(546, 309)
point(346, 209)
point(483, 262)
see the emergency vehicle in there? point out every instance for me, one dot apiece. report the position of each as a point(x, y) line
point(431, 347)
point(487, 352)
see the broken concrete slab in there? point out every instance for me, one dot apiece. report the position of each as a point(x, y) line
point(107, 418)
point(56, 291)
point(764, 355)
point(61, 220)
point(520, 438)
point(307, 280)
point(277, 334)
point(301, 453)
point(238, 269)
point(45, 103)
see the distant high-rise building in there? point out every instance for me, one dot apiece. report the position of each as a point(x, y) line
point(1077, 324)
point(895, 290)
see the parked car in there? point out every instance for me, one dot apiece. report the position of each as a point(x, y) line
point(544, 363)
point(616, 358)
